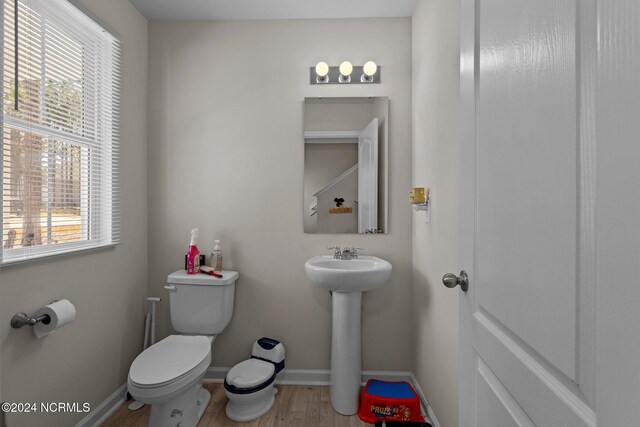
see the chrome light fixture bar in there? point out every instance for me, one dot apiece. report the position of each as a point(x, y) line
point(344, 74)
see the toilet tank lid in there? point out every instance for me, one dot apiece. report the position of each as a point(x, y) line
point(181, 277)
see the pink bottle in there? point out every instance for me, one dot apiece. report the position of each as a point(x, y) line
point(193, 254)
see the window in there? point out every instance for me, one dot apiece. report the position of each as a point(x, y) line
point(60, 73)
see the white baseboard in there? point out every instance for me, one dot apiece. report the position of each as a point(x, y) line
point(100, 413)
point(432, 417)
point(426, 408)
point(320, 377)
point(316, 377)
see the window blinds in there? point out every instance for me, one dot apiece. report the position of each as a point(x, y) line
point(60, 121)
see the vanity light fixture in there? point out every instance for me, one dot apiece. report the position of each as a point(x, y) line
point(322, 73)
point(368, 71)
point(346, 68)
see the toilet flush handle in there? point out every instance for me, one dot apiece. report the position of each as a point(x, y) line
point(170, 287)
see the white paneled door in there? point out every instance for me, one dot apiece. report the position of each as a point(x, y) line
point(544, 87)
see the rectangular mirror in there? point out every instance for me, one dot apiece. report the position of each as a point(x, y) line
point(345, 165)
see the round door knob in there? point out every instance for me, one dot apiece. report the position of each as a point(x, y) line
point(450, 280)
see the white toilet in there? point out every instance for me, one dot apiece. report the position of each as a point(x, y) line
point(249, 384)
point(168, 375)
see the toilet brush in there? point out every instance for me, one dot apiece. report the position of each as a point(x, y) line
point(149, 329)
point(147, 320)
point(153, 301)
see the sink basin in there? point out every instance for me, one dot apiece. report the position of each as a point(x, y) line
point(347, 279)
point(356, 275)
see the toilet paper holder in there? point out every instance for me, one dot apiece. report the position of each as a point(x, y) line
point(22, 319)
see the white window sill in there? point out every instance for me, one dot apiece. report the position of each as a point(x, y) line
point(41, 253)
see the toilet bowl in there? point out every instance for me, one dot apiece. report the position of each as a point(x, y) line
point(249, 384)
point(168, 375)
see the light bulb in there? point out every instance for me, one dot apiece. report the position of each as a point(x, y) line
point(346, 68)
point(322, 69)
point(369, 68)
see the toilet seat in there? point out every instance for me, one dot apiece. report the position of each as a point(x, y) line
point(173, 359)
point(250, 376)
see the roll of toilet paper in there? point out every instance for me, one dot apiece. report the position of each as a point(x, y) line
point(60, 312)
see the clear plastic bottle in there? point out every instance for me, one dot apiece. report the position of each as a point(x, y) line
point(216, 258)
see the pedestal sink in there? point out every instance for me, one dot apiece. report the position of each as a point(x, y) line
point(347, 279)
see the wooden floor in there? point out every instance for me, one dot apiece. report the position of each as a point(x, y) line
point(295, 406)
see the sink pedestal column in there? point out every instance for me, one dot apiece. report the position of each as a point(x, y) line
point(346, 357)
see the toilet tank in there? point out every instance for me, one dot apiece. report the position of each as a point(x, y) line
point(199, 303)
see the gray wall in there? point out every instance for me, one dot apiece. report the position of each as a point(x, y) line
point(436, 82)
point(225, 154)
point(88, 359)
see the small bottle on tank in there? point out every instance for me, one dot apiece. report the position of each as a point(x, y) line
point(216, 258)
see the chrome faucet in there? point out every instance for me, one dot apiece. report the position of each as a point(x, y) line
point(337, 254)
point(346, 253)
